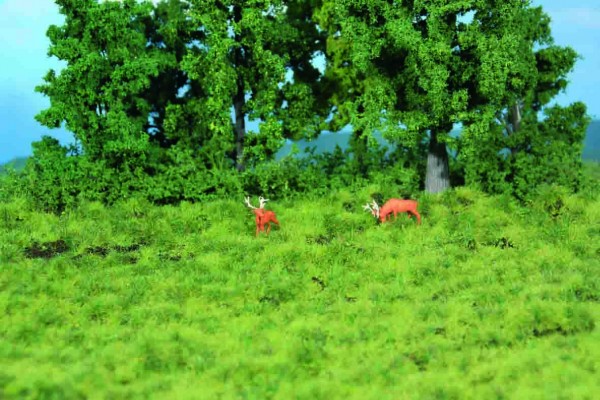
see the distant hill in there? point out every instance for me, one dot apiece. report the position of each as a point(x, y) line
point(327, 141)
point(591, 144)
point(17, 163)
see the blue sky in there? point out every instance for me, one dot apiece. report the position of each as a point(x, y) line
point(24, 61)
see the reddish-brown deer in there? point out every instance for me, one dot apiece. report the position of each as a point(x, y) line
point(263, 217)
point(394, 206)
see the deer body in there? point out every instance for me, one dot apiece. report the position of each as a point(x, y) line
point(263, 217)
point(394, 206)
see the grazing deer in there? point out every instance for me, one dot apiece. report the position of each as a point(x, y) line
point(263, 217)
point(394, 206)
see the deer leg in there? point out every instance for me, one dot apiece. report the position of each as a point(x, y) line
point(268, 228)
point(417, 216)
point(257, 222)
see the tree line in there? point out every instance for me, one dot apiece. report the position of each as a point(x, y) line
point(158, 95)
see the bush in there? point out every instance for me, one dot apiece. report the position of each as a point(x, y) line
point(52, 178)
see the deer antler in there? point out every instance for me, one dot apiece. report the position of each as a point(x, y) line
point(247, 201)
point(262, 201)
point(367, 207)
point(376, 208)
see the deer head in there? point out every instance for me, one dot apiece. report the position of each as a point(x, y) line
point(261, 201)
point(373, 208)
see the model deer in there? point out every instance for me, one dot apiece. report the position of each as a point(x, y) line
point(263, 217)
point(394, 206)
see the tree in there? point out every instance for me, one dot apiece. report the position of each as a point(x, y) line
point(418, 67)
point(249, 48)
point(101, 94)
point(406, 69)
point(147, 89)
point(175, 112)
point(434, 92)
point(344, 80)
point(516, 141)
point(134, 113)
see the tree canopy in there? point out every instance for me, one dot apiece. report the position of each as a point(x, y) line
point(158, 95)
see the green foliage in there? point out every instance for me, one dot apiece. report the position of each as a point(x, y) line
point(552, 153)
point(316, 174)
point(590, 186)
point(487, 298)
point(100, 94)
point(11, 185)
point(248, 48)
point(283, 178)
point(52, 177)
point(547, 152)
point(508, 148)
point(425, 67)
point(148, 91)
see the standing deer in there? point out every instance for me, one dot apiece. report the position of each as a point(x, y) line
point(263, 217)
point(394, 206)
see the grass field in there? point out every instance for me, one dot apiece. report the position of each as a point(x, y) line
point(486, 299)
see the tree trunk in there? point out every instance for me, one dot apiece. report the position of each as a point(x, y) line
point(515, 121)
point(516, 117)
point(437, 177)
point(240, 126)
point(239, 98)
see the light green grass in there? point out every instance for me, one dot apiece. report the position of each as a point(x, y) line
point(330, 306)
